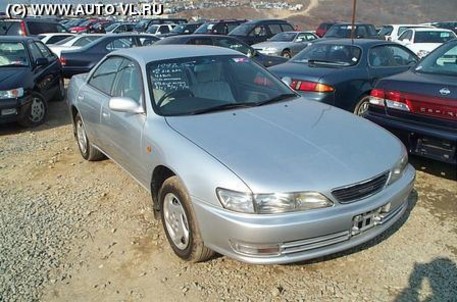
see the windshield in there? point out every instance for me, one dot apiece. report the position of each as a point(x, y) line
point(62, 42)
point(153, 29)
point(284, 37)
point(140, 26)
point(441, 61)
point(204, 28)
point(242, 30)
point(13, 54)
point(200, 85)
point(343, 55)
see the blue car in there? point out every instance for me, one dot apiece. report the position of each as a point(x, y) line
point(342, 72)
point(420, 105)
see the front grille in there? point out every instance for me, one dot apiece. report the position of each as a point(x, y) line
point(361, 190)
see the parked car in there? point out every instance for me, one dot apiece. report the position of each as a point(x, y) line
point(219, 27)
point(235, 161)
point(158, 29)
point(89, 26)
point(81, 60)
point(119, 27)
point(342, 72)
point(452, 25)
point(420, 105)
point(286, 44)
point(144, 24)
point(257, 31)
point(29, 27)
point(344, 30)
point(323, 28)
point(53, 38)
point(74, 42)
point(30, 76)
point(182, 29)
point(224, 41)
point(424, 40)
point(391, 32)
point(73, 22)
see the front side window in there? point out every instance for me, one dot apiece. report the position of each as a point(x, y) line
point(44, 50)
point(128, 82)
point(199, 85)
point(389, 56)
point(103, 77)
point(232, 44)
point(275, 28)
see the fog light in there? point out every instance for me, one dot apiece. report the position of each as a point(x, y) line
point(253, 249)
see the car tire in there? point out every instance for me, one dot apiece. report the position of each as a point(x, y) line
point(60, 94)
point(180, 223)
point(286, 54)
point(33, 113)
point(86, 149)
point(362, 105)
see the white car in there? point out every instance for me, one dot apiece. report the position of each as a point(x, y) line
point(52, 38)
point(73, 42)
point(160, 29)
point(424, 40)
point(391, 32)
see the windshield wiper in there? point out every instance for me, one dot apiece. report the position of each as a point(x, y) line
point(277, 98)
point(223, 107)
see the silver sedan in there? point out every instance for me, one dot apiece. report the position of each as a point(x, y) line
point(286, 44)
point(235, 161)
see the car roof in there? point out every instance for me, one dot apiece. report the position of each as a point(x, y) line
point(17, 38)
point(266, 21)
point(358, 42)
point(164, 52)
point(431, 29)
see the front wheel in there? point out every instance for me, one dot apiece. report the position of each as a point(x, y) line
point(286, 54)
point(34, 113)
point(180, 224)
point(362, 105)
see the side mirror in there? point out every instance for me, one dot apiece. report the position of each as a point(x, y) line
point(125, 104)
point(41, 62)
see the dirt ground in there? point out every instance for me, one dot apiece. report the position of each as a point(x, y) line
point(116, 251)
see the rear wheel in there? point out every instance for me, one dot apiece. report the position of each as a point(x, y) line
point(87, 151)
point(179, 222)
point(362, 105)
point(286, 54)
point(34, 113)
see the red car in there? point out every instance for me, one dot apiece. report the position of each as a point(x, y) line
point(87, 26)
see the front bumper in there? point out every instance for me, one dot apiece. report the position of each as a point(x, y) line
point(300, 236)
point(276, 52)
point(426, 140)
point(10, 109)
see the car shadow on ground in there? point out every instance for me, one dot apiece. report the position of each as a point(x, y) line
point(434, 167)
point(412, 200)
point(58, 116)
point(441, 276)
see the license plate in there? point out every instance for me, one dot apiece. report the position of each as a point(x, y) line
point(8, 111)
point(365, 221)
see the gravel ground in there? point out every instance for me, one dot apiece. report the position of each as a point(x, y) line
point(71, 230)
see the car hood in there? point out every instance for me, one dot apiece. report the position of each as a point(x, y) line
point(292, 146)
point(304, 71)
point(278, 45)
point(13, 77)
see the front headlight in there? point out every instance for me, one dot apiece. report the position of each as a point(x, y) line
point(399, 168)
point(289, 202)
point(272, 203)
point(269, 49)
point(11, 94)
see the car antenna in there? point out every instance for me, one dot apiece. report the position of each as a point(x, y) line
point(353, 20)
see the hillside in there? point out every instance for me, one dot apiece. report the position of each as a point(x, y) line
point(316, 11)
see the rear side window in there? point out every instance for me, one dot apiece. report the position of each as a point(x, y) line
point(287, 27)
point(10, 28)
point(120, 43)
point(36, 28)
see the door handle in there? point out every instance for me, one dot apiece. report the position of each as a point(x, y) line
point(80, 98)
